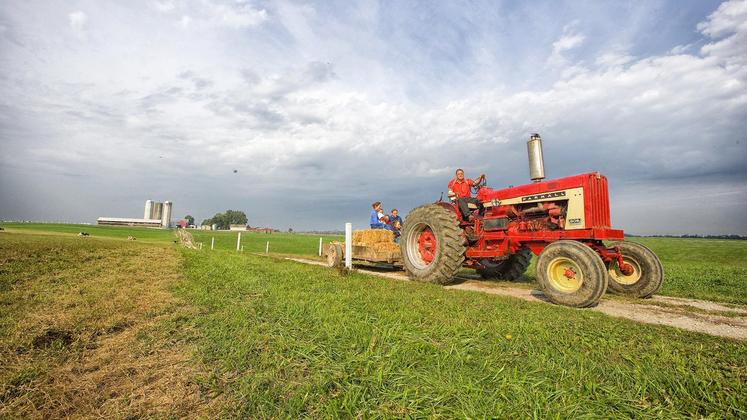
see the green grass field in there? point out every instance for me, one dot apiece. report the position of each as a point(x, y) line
point(299, 340)
point(115, 328)
point(693, 268)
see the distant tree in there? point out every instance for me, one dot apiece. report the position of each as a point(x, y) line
point(235, 217)
point(190, 220)
point(230, 217)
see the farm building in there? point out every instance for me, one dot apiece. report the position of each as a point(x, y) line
point(123, 221)
point(237, 227)
point(260, 230)
point(154, 215)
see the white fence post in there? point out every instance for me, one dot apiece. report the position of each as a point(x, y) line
point(349, 245)
point(238, 242)
point(212, 243)
point(320, 246)
point(242, 248)
point(267, 247)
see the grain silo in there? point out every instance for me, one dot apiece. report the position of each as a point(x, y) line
point(166, 217)
point(148, 209)
point(157, 211)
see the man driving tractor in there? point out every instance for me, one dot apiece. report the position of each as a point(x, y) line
point(460, 190)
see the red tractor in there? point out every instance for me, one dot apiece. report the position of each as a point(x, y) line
point(565, 221)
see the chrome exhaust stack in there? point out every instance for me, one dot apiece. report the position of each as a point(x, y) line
point(536, 162)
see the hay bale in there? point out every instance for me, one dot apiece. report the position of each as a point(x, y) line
point(371, 237)
point(386, 247)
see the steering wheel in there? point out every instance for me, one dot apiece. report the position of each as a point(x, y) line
point(483, 182)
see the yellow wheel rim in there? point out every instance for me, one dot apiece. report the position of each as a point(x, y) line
point(564, 275)
point(620, 278)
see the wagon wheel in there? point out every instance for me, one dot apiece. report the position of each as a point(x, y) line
point(334, 255)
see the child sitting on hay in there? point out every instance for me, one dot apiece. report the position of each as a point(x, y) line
point(378, 219)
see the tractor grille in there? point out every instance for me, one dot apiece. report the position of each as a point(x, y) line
point(600, 202)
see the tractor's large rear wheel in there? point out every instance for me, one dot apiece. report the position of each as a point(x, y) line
point(432, 245)
point(646, 275)
point(572, 274)
point(511, 269)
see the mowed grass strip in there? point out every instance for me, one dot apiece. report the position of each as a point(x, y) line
point(280, 242)
point(290, 340)
point(306, 245)
point(89, 328)
point(115, 232)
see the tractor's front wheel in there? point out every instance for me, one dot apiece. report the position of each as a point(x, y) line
point(646, 274)
point(572, 274)
point(432, 245)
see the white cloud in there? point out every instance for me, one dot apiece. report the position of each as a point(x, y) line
point(681, 49)
point(730, 17)
point(164, 6)
point(612, 59)
point(77, 21)
point(728, 22)
point(569, 40)
point(238, 16)
point(210, 14)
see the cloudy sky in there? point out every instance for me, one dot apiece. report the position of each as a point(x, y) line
point(322, 108)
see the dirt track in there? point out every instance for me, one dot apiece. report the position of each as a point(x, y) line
point(689, 314)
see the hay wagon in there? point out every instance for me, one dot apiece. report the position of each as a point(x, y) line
point(370, 246)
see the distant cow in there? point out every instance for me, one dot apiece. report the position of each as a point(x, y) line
point(83, 234)
point(131, 238)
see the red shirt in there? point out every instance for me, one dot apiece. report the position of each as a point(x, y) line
point(461, 189)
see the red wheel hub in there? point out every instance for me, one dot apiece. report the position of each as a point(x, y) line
point(626, 269)
point(427, 245)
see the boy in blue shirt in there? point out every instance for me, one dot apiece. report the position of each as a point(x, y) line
point(377, 220)
point(394, 217)
point(396, 223)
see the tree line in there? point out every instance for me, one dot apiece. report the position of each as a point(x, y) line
point(227, 218)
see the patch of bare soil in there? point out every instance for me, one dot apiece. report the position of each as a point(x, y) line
point(97, 339)
point(710, 318)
